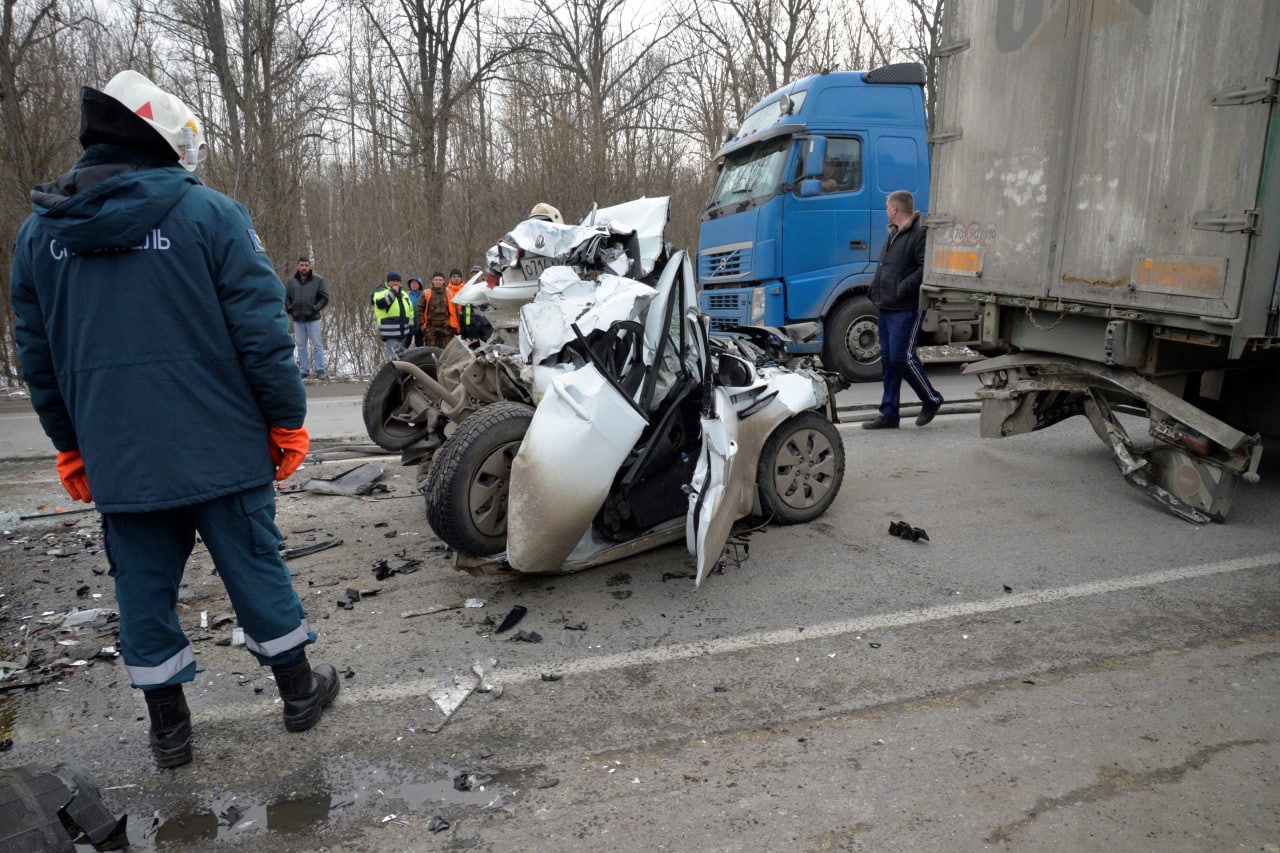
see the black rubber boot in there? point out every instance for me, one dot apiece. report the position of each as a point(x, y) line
point(306, 692)
point(170, 726)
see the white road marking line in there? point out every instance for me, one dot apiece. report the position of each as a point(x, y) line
point(861, 625)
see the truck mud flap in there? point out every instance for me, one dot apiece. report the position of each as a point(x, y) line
point(1194, 470)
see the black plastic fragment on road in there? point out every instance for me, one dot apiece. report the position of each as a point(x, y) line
point(304, 550)
point(512, 619)
point(232, 816)
point(42, 808)
point(576, 626)
point(359, 481)
point(551, 676)
point(437, 824)
point(905, 531)
point(874, 645)
point(382, 569)
point(674, 576)
point(526, 637)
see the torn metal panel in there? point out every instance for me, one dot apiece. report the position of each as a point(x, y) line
point(1193, 475)
point(648, 217)
point(712, 509)
point(546, 324)
point(362, 480)
point(581, 432)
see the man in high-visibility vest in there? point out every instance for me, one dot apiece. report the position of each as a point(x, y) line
point(393, 309)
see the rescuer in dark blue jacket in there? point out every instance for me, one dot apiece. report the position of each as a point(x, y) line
point(152, 333)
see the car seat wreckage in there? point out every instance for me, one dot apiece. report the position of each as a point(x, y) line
point(601, 419)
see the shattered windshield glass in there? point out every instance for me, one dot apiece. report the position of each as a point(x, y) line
point(751, 173)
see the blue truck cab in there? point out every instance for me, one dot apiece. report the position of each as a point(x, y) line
point(797, 218)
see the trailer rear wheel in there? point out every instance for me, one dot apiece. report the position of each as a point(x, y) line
point(466, 489)
point(389, 407)
point(851, 340)
point(801, 469)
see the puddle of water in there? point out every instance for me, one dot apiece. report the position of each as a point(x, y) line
point(230, 818)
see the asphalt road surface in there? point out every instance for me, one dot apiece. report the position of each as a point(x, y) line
point(1061, 665)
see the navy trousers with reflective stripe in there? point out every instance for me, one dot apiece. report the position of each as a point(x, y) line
point(148, 552)
point(898, 330)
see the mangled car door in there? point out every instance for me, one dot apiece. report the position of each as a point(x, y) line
point(712, 510)
point(581, 433)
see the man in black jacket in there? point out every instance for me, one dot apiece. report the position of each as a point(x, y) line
point(896, 292)
point(305, 297)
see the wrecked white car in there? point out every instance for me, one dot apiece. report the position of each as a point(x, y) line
point(601, 419)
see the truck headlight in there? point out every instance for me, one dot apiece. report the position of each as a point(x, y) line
point(757, 305)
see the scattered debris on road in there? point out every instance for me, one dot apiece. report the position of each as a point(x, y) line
point(47, 809)
point(905, 531)
point(357, 482)
point(449, 695)
point(511, 619)
point(305, 550)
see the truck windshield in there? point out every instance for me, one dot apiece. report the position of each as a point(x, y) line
point(750, 173)
point(772, 111)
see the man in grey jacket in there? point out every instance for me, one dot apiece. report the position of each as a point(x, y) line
point(305, 297)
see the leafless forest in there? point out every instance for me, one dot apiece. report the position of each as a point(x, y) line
point(409, 134)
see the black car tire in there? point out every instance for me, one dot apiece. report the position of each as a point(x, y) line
point(851, 340)
point(801, 469)
point(385, 396)
point(467, 487)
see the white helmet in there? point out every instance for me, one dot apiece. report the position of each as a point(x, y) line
point(166, 114)
point(542, 210)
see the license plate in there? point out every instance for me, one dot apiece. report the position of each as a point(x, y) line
point(534, 267)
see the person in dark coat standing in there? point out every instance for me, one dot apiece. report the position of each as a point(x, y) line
point(895, 290)
point(153, 338)
point(305, 297)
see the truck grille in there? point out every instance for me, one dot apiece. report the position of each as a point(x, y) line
point(729, 264)
point(722, 301)
point(720, 324)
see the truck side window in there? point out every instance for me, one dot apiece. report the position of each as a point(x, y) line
point(842, 167)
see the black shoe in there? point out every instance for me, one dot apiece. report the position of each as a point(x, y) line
point(170, 726)
point(880, 423)
point(927, 411)
point(320, 377)
point(306, 692)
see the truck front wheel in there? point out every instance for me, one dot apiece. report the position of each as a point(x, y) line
point(851, 340)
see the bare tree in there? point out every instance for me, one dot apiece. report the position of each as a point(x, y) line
point(44, 46)
point(777, 34)
point(608, 65)
point(926, 19)
point(248, 67)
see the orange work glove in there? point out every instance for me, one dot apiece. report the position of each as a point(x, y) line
point(71, 472)
point(288, 448)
